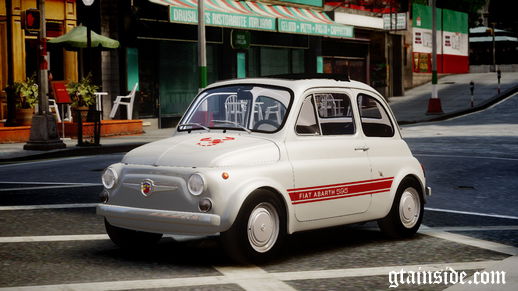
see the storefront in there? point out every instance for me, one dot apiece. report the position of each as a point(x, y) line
point(375, 56)
point(60, 18)
point(278, 40)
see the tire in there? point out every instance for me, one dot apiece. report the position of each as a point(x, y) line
point(131, 239)
point(258, 231)
point(406, 213)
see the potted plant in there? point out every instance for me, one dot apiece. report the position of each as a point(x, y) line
point(82, 94)
point(26, 97)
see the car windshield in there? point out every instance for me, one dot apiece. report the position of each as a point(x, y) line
point(244, 107)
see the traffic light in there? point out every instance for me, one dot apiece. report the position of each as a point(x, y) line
point(31, 20)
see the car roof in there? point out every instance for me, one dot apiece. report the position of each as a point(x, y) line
point(297, 85)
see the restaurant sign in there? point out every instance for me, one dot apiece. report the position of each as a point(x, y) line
point(222, 19)
point(312, 28)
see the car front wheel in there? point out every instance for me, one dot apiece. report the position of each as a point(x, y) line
point(258, 231)
point(131, 239)
point(406, 213)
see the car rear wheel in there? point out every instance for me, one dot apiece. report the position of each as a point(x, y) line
point(406, 213)
point(259, 229)
point(130, 239)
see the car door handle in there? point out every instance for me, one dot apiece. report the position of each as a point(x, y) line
point(362, 148)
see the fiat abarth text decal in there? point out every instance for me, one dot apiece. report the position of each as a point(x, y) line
point(209, 141)
point(337, 191)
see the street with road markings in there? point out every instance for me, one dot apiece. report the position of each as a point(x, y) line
point(51, 238)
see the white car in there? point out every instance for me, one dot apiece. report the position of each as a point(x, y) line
point(258, 159)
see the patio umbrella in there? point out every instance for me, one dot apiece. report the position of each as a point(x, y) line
point(77, 39)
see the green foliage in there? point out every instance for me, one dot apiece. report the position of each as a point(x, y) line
point(82, 92)
point(26, 93)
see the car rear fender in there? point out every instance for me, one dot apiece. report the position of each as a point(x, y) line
point(382, 204)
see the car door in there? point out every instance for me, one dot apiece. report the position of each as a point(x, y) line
point(330, 165)
point(386, 150)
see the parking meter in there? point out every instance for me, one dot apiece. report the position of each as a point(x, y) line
point(499, 75)
point(472, 89)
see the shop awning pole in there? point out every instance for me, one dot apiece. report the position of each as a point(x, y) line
point(202, 45)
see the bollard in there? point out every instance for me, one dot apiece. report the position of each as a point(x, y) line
point(472, 89)
point(499, 76)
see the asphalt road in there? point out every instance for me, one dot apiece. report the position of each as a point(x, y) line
point(50, 237)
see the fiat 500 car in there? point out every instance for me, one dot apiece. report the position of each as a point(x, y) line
point(258, 159)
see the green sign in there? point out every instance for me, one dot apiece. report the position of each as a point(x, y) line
point(422, 17)
point(447, 20)
point(223, 19)
point(240, 40)
point(132, 69)
point(312, 28)
point(241, 65)
point(317, 3)
point(320, 64)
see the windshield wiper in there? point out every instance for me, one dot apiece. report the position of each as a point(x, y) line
point(234, 123)
point(195, 124)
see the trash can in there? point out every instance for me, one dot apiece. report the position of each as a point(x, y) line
point(88, 127)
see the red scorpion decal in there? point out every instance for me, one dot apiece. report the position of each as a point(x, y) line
point(208, 141)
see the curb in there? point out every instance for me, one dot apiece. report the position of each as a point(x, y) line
point(75, 151)
point(484, 105)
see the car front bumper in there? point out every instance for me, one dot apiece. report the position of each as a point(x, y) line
point(160, 221)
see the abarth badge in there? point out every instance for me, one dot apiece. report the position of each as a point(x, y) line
point(146, 187)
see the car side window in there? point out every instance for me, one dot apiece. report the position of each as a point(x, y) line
point(374, 118)
point(335, 113)
point(307, 120)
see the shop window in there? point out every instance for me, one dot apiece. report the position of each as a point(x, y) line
point(54, 28)
point(265, 61)
point(297, 61)
point(274, 61)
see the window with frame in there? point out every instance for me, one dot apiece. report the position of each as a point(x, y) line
point(307, 120)
point(326, 114)
point(374, 118)
point(335, 113)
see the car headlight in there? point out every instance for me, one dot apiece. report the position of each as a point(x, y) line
point(109, 178)
point(196, 184)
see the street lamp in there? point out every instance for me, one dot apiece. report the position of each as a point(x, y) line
point(494, 46)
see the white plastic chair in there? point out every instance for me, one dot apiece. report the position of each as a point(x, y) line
point(327, 107)
point(54, 105)
point(275, 110)
point(234, 109)
point(129, 103)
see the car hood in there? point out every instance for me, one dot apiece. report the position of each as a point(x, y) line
point(205, 150)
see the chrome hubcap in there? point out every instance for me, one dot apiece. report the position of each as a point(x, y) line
point(263, 227)
point(409, 207)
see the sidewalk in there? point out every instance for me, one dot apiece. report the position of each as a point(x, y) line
point(455, 95)
point(453, 91)
point(15, 152)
